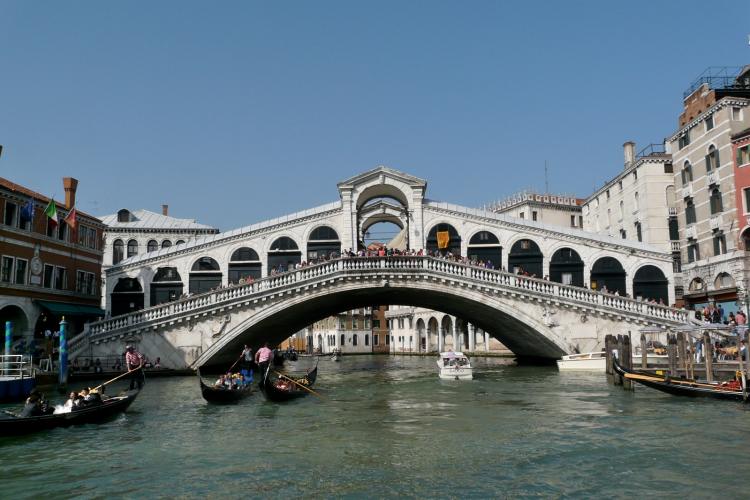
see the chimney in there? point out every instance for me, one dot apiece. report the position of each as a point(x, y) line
point(629, 150)
point(70, 184)
point(165, 209)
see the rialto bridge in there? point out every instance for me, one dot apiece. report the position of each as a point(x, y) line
point(195, 303)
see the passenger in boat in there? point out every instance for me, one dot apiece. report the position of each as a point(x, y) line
point(33, 406)
point(72, 402)
point(92, 398)
point(221, 381)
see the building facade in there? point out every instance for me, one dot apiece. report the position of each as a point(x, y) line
point(714, 265)
point(559, 210)
point(48, 271)
point(131, 233)
point(349, 332)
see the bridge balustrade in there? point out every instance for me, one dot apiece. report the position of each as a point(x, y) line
point(349, 265)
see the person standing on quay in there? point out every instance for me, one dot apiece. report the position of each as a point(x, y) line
point(262, 358)
point(134, 364)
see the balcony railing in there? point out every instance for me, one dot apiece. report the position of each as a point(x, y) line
point(687, 190)
point(715, 222)
point(691, 232)
point(675, 246)
point(673, 211)
point(652, 150)
point(713, 178)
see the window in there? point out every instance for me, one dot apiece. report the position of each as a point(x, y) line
point(635, 174)
point(572, 221)
point(132, 248)
point(636, 201)
point(743, 155)
point(123, 215)
point(716, 205)
point(720, 244)
point(152, 246)
point(49, 272)
point(80, 281)
point(580, 221)
point(687, 174)
point(533, 215)
point(367, 323)
point(375, 339)
point(684, 140)
point(343, 339)
point(376, 323)
point(367, 339)
point(709, 122)
point(118, 251)
point(166, 244)
point(619, 185)
point(354, 339)
point(607, 193)
point(387, 339)
point(690, 212)
point(623, 234)
point(622, 209)
point(87, 236)
point(21, 266)
point(180, 242)
point(747, 199)
point(693, 252)
point(61, 278)
point(62, 231)
point(638, 232)
point(11, 210)
point(668, 168)
point(521, 215)
point(6, 271)
point(712, 159)
point(342, 323)
point(355, 323)
point(51, 228)
point(609, 217)
point(736, 113)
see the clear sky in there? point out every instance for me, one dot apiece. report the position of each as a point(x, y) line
point(235, 112)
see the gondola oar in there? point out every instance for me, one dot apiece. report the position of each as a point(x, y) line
point(238, 360)
point(299, 385)
point(117, 377)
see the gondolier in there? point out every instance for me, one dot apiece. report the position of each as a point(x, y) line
point(262, 358)
point(134, 363)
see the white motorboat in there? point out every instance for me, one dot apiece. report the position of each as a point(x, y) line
point(597, 361)
point(336, 355)
point(454, 366)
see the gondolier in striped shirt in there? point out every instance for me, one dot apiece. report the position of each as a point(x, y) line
point(262, 358)
point(134, 363)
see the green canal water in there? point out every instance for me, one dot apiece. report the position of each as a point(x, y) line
point(389, 427)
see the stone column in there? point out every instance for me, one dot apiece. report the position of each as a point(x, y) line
point(545, 267)
point(486, 342)
point(426, 339)
point(472, 332)
point(349, 222)
point(455, 335)
point(441, 344)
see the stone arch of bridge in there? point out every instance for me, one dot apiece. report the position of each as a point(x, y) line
point(522, 332)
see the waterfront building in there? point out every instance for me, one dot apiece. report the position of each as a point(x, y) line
point(47, 271)
point(714, 265)
point(638, 204)
point(560, 210)
point(349, 332)
point(132, 232)
point(420, 330)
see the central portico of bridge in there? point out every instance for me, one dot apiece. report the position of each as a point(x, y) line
point(267, 290)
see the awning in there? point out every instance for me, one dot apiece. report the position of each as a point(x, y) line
point(63, 308)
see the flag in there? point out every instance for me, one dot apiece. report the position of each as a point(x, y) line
point(71, 220)
point(51, 212)
point(27, 211)
point(443, 239)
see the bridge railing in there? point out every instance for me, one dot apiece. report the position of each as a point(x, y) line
point(348, 265)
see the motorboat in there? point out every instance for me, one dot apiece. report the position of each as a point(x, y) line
point(16, 377)
point(336, 355)
point(587, 361)
point(454, 366)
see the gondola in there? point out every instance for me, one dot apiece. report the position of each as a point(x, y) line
point(274, 390)
point(224, 395)
point(682, 387)
point(11, 424)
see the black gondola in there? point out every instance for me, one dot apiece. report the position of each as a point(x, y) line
point(681, 387)
point(223, 395)
point(276, 390)
point(13, 424)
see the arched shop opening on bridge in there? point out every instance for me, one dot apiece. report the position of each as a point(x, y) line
point(284, 254)
point(166, 286)
point(650, 283)
point(204, 275)
point(485, 247)
point(526, 257)
point(126, 297)
point(566, 267)
point(444, 238)
point(385, 233)
point(607, 274)
point(323, 242)
point(243, 264)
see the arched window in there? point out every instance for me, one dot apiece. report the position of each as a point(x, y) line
point(724, 280)
point(343, 339)
point(525, 257)
point(608, 274)
point(118, 251)
point(485, 247)
point(126, 297)
point(566, 267)
point(244, 264)
point(716, 205)
point(166, 244)
point(650, 283)
point(689, 212)
point(180, 242)
point(636, 201)
point(132, 248)
point(687, 174)
point(152, 246)
point(323, 243)
point(444, 238)
point(204, 275)
point(622, 209)
point(354, 339)
point(367, 339)
point(712, 159)
point(123, 215)
point(284, 254)
point(166, 285)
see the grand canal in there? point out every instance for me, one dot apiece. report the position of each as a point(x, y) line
point(389, 427)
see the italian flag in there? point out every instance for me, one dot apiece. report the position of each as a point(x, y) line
point(51, 212)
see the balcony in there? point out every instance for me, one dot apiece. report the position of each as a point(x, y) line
point(675, 246)
point(673, 211)
point(691, 232)
point(687, 190)
point(715, 222)
point(713, 178)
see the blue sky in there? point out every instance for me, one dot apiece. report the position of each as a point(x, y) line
point(235, 112)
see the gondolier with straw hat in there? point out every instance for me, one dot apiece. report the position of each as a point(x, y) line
point(134, 364)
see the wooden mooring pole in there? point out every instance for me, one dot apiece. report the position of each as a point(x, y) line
point(644, 352)
point(618, 377)
point(682, 353)
point(708, 351)
point(608, 341)
point(626, 357)
point(672, 354)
